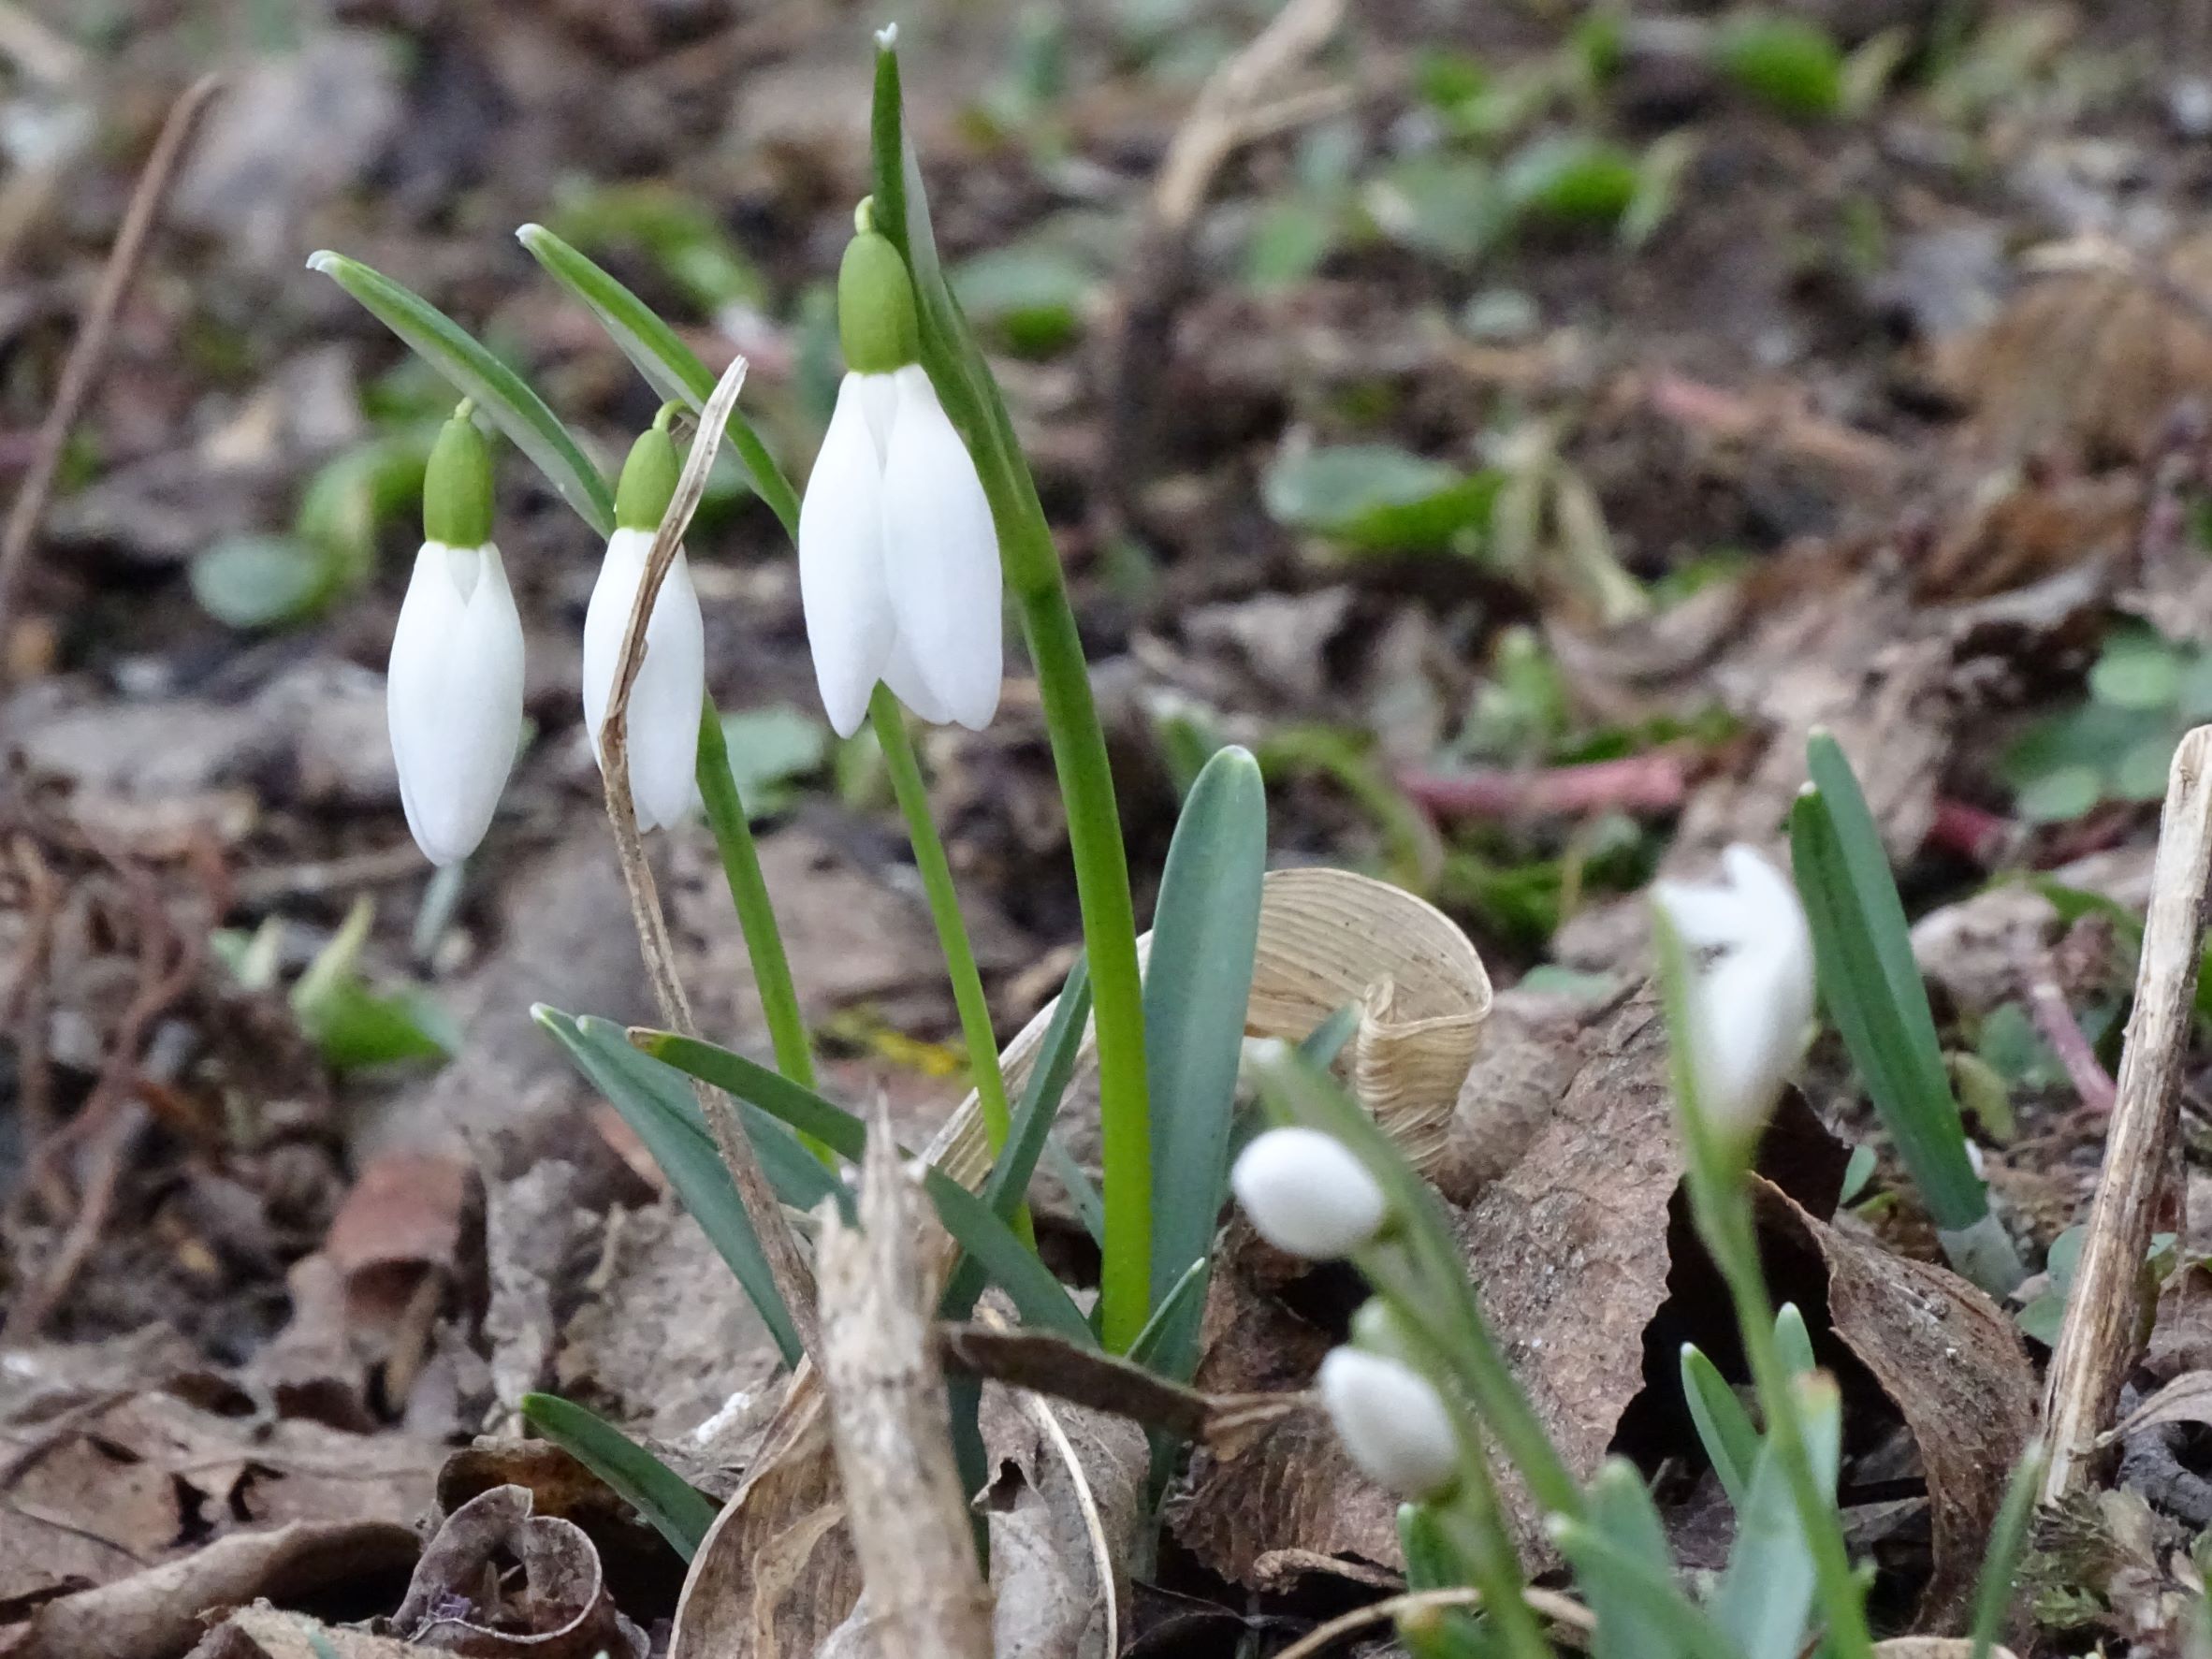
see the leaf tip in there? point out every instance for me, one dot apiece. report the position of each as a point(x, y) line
point(324, 262)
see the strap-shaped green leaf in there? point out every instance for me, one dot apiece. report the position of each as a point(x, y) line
point(1724, 1429)
point(1652, 1596)
point(499, 391)
point(1197, 984)
point(670, 367)
point(1767, 1591)
point(687, 1157)
point(1042, 1299)
point(1871, 984)
point(1620, 1511)
point(1993, 1591)
point(679, 1510)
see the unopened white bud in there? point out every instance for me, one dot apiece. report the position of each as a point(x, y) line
point(1393, 1422)
point(1308, 1193)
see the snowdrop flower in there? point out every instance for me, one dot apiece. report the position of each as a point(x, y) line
point(1394, 1425)
point(665, 703)
point(899, 560)
point(1749, 996)
point(452, 693)
point(1308, 1193)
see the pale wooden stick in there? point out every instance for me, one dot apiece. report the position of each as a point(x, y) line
point(2097, 1342)
point(924, 1595)
point(80, 370)
point(785, 1264)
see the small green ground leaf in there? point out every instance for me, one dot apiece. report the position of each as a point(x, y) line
point(1374, 497)
point(263, 581)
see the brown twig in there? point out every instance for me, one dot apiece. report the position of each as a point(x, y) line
point(2046, 1004)
point(2097, 1342)
point(88, 354)
point(1656, 781)
point(1548, 1603)
point(761, 1207)
point(904, 1507)
point(104, 1170)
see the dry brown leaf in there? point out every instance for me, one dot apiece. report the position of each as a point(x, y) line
point(158, 1613)
point(1934, 1647)
point(2090, 360)
point(2188, 1399)
point(1951, 1363)
point(459, 1599)
point(775, 1574)
point(264, 1633)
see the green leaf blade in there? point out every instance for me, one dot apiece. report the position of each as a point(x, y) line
point(691, 1163)
point(1197, 987)
point(497, 390)
point(658, 353)
point(678, 1511)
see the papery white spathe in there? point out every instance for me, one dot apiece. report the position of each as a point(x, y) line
point(1308, 1193)
point(453, 696)
point(1391, 1422)
point(1750, 997)
point(664, 704)
point(899, 560)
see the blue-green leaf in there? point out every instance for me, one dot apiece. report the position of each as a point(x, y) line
point(499, 391)
point(646, 1099)
point(1871, 984)
point(679, 1510)
point(1042, 1299)
point(1197, 984)
point(1650, 1596)
point(1621, 1512)
point(1723, 1427)
point(1766, 1594)
point(670, 367)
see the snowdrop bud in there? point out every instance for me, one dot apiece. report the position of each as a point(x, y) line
point(1308, 1193)
point(1393, 1423)
point(452, 693)
point(671, 686)
point(898, 557)
point(1749, 996)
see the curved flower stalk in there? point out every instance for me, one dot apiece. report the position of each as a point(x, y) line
point(899, 560)
point(454, 688)
point(664, 704)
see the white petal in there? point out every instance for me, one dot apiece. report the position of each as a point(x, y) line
point(1308, 1193)
point(903, 675)
point(1394, 1424)
point(1752, 992)
point(665, 703)
point(454, 696)
point(841, 586)
point(941, 555)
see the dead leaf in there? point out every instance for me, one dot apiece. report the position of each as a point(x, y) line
point(1934, 1647)
point(1045, 1571)
point(401, 1220)
point(459, 1601)
point(1952, 1363)
point(775, 1574)
point(158, 1613)
point(264, 1633)
point(2188, 1399)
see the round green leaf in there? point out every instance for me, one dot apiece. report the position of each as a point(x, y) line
point(2061, 795)
point(261, 581)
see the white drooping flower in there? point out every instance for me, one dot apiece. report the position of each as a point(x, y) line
point(1308, 1193)
point(453, 692)
point(898, 558)
point(1393, 1422)
point(1750, 997)
point(665, 700)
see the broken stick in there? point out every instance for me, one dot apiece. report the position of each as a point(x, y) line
point(2098, 1342)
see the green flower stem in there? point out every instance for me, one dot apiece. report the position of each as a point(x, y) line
point(1474, 1524)
point(749, 891)
point(889, 722)
point(1032, 568)
point(1721, 1207)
